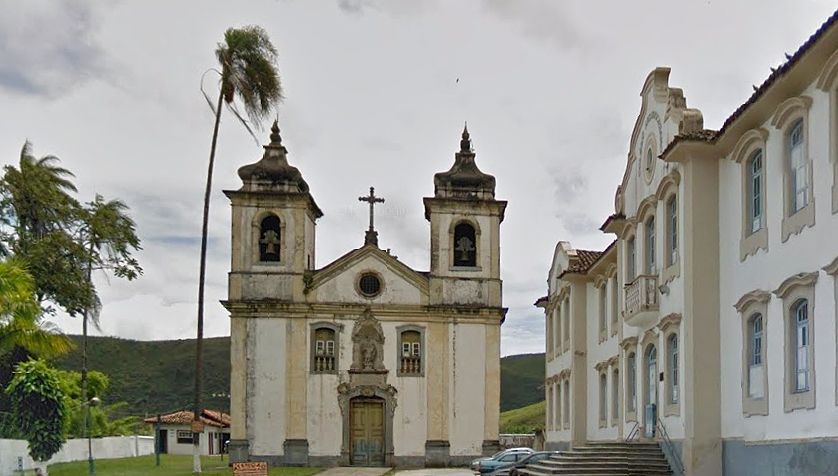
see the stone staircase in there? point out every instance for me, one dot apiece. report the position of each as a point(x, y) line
point(604, 459)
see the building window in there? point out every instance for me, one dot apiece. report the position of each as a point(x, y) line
point(410, 351)
point(650, 246)
point(614, 305)
point(548, 332)
point(756, 369)
point(369, 284)
point(603, 312)
point(631, 392)
point(672, 230)
point(755, 191)
point(651, 375)
point(325, 351)
point(549, 406)
point(800, 313)
point(566, 324)
point(603, 399)
point(557, 408)
point(566, 403)
point(615, 396)
point(630, 260)
point(798, 164)
point(269, 239)
point(465, 245)
point(672, 355)
point(557, 330)
point(184, 437)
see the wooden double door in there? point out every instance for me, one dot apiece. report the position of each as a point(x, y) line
point(366, 432)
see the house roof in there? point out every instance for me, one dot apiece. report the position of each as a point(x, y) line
point(708, 135)
point(208, 417)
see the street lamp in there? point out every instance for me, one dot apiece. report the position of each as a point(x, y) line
point(91, 469)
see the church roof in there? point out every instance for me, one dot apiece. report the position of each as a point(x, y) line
point(464, 179)
point(336, 267)
point(273, 167)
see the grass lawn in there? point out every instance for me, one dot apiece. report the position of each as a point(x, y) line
point(523, 420)
point(170, 465)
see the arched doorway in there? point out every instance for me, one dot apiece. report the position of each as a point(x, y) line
point(367, 431)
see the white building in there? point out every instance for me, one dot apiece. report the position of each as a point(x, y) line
point(175, 435)
point(364, 361)
point(717, 302)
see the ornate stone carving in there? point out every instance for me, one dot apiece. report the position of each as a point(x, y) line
point(368, 343)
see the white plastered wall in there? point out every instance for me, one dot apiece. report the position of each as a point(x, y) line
point(467, 395)
point(266, 385)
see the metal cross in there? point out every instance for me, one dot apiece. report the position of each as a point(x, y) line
point(372, 200)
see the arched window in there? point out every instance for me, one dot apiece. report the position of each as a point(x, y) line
point(756, 372)
point(650, 246)
point(465, 245)
point(603, 398)
point(615, 396)
point(269, 239)
point(798, 168)
point(755, 187)
point(672, 230)
point(603, 312)
point(325, 351)
point(550, 406)
point(672, 356)
point(566, 403)
point(631, 392)
point(410, 343)
point(630, 260)
point(800, 317)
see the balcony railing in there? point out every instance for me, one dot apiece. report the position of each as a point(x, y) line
point(641, 296)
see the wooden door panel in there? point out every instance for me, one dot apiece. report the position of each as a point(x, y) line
point(366, 432)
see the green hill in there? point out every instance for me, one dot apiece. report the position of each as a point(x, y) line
point(523, 420)
point(158, 376)
point(521, 380)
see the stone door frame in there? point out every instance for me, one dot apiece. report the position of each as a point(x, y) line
point(388, 396)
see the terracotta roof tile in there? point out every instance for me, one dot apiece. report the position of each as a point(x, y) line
point(708, 135)
point(209, 417)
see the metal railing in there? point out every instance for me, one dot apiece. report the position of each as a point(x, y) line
point(633, 434)
point(641, 294)
point(676, 458)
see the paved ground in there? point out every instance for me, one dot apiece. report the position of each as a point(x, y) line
point(354, 471)
point(436, 472)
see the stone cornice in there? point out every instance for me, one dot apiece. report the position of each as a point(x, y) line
point(350, 311)
point(650, 336)
point(672, 319)
point(799, 279)
point(614, 361)
point(601, 365)
point(832, 268)
point(757, 296)
point(628, 342)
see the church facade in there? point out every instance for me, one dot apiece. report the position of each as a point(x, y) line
point(363, 361)
point(709, 324)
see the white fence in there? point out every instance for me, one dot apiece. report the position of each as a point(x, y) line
point(14, 454)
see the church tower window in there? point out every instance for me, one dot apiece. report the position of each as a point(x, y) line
point(324, 357)
point(410, 351)
point(269, 239)
point(465, 245)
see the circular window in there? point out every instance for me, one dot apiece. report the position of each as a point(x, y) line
point(369, 284)
point(650, 164)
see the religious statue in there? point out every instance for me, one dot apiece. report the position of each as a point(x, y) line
point(368, 340)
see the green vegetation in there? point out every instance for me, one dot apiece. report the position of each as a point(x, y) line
point(157, 376)
point(39, 408)
point(521, 380)
point(523, 420)
point(170, 465)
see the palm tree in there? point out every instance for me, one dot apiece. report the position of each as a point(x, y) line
point(21, 324)
point(248, 73)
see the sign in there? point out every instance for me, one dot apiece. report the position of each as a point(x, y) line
point(252, 468)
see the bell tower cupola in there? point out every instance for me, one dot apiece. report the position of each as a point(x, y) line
point(274, 217)
point(465, 223)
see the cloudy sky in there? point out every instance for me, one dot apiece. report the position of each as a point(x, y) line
point(550, 90)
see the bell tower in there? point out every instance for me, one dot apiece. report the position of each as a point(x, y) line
point(274, 219)
point(465, 223)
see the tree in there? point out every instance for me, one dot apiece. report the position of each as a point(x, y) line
point(247, 59)
point(39, 408)
point(99, 421)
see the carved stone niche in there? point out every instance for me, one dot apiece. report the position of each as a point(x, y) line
point(367, 351)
